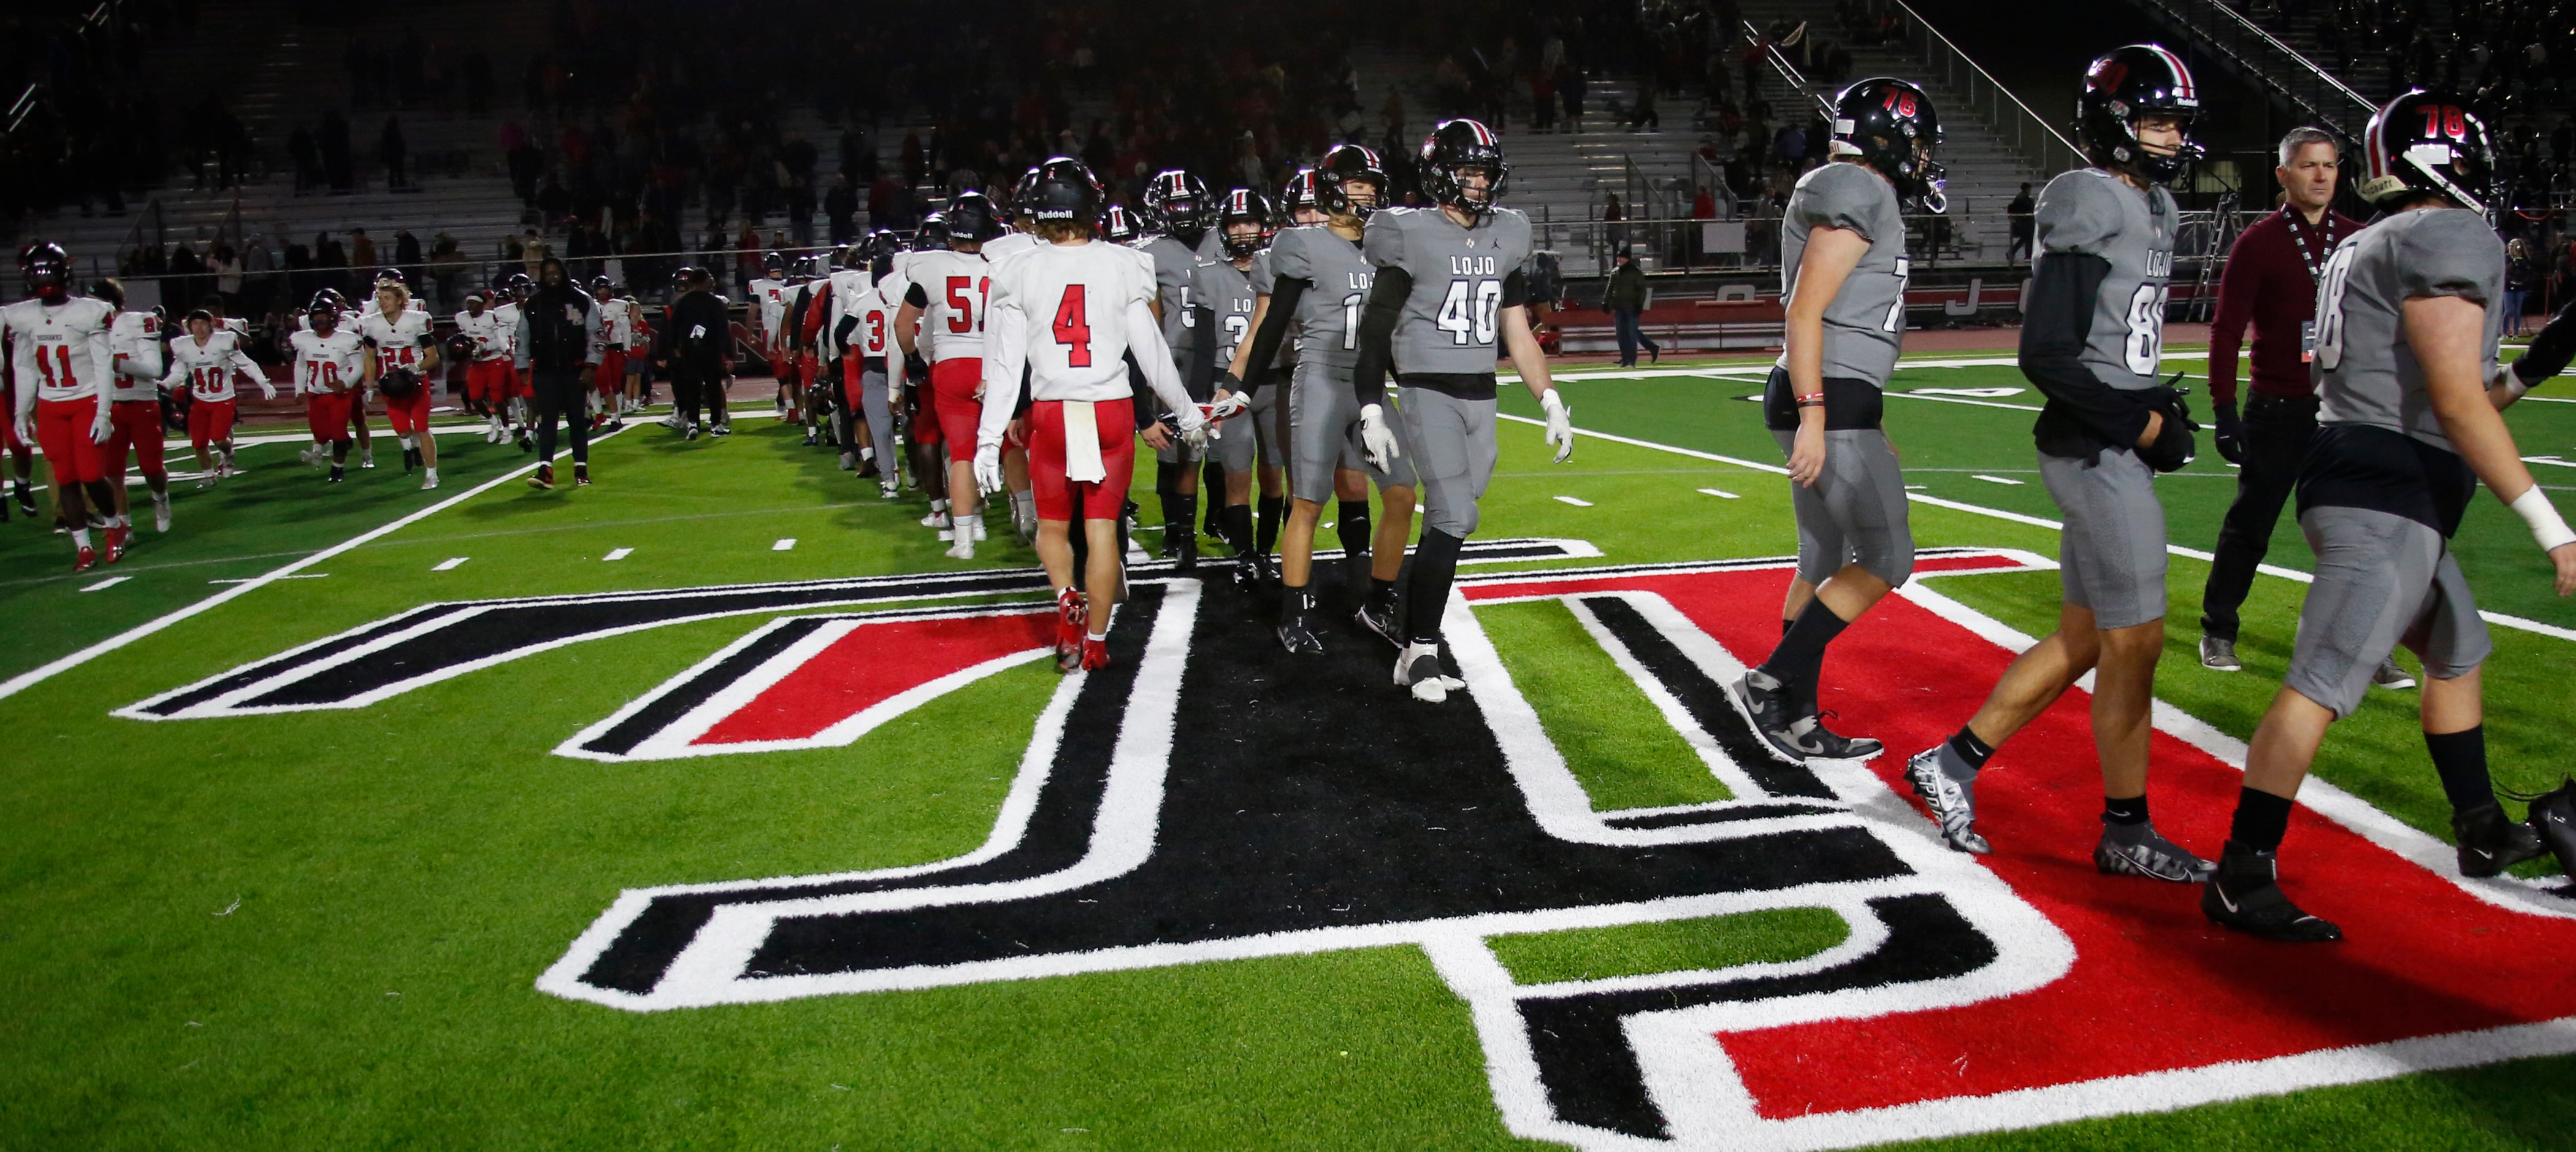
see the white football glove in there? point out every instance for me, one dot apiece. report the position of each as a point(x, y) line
point(102, 429)
point(988, 468)
point(26, 429)
point(1376, 439)
point(1560, 425)
point(1195, 431)
point(1231, 406)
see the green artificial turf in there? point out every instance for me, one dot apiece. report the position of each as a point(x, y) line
point(1612, 737)
point(1701, 942)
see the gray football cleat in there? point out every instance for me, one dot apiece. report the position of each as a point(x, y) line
point(2391, 677)
point(1953, 802)
point(1765, 704)
point(2219, 655)
point(2139, 850)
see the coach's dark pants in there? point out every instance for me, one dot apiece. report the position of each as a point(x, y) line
point(2277, 431)
point(693, 386)
point(564, 394)
point(1631, 337)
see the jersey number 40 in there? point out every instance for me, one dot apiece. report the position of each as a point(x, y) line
point(1467, 314)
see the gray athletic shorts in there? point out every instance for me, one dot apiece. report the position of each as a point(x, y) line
point(2112, 556)
point(1233, 443)
point(1324, 431)
point(2382, 580)
point(1855, 512)
point(1452, 445)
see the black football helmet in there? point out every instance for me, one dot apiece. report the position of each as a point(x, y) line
point(1342, 164)
point(973, 218)
point(1889, 125)
point(1118, 225)
point(333, 295)
point(393, 276)
point(932, 236)
point(48, 271)
point(323, 312)
point(1297, 195)
point(2126, 84)
point(1017, 201)
point(1452, 150)
point(2432, 141)
point(1063, 188)
point(1244, 206)
point(1177, 203)
point(681, 278)
point(773, 265)
point(108, 290)
point(599, 284)
point(519, 286)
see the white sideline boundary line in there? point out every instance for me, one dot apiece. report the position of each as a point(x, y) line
point(2499, 619)
point(32, 677)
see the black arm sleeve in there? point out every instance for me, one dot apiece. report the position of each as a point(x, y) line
point(841, 332)
point(1148, 406)
point(2550, 351)
point(1516, 289)
point(1377, 333)
point(1201, 380)
point(2083, 414)
point(1284, 294)
point(916, 297)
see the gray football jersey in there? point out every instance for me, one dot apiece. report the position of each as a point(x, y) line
point(1173, 262)
point(1221, 288)
point(2094, 213)
point(2365, 370)
point(1338, 278)
point(1451, 321)
point(1260, 276)
point(1865, 322)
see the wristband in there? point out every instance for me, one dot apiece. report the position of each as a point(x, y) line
point(2542, 517)
point(2511, 381)
point(1811, 400)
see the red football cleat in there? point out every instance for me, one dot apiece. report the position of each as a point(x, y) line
point(1095, 653)
point(1072, 621)
point(87, 559)
point(116, 534)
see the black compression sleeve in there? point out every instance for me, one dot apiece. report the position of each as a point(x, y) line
point(1377, 333)
point(1201, 380)
point(1284, 294)
point(2053, 334)
point(1516, 290)
point(916, 297)
point(2550, 351)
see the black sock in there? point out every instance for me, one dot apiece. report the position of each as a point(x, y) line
point(2130, 811)
point(1435, 566)
point(2261, 820)
point(1354, 528)
point(1167, 490)
point(1786, 623)
point(1182, 512)
point(2460, 758)
point(1212, 479)
point(1236, 528)
point(1294, 600)
point(1801, 654)
point(1273, 510)
point(1971, 749)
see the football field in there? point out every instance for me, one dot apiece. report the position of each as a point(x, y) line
point(713, 806)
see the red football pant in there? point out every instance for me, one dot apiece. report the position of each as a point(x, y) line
point(612, 372)
point(526, 385)
point(211, 422)
point(1105, 499)
point(327, 413)
point(134, 426)
point(62, 430)
point(488, 381)
point(410, 414)
point(784, 368)
point(953, 384)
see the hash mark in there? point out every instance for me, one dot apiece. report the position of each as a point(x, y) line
point(228, 908)
point(618, 554)
point(1720, 493)
point(783, 545)
point(1994, 479)
point(448, 565)
point(1576, 501)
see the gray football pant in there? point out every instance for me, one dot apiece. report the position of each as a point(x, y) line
point(2382, 580)
point(1324, 434)
point(2111, 558)
point(880, 413)
point(1855, 511)
point(1452, 445)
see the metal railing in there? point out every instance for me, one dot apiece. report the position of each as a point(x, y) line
point(1789, 73)
point(2260, 58)
point(2020, 129)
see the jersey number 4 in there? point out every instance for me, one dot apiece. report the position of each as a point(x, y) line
point(1073, 327)
point(1471, 321)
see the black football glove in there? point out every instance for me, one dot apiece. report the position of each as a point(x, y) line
point(2231, 434)
point(914, 367)
point(2174, 446)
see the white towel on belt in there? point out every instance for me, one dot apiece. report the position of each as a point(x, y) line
point(1082, 444)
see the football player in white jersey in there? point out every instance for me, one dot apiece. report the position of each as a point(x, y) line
point(134, 412)
point(522, 391)
point(203, 361)
point(770, 294)
point(406, 360)
point(59, 352)
point(488, 375)
point(1070, 311)
point(1015, 454)
point(332, 370)
point(608, 380)
point(947, 296)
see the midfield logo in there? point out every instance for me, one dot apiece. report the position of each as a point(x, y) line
point(1209, 798)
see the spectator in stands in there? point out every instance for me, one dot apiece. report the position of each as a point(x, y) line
point(227, 269)
point(362, 252)
point(396, 155)
point(1624, 297)
point(2517, 284)
point(841, 208)
point(330, 264)
point(2022, 212)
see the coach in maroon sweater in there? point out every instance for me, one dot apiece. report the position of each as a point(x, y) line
point(2271, 281)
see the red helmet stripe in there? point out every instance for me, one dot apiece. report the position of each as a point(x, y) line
point(2182, 75)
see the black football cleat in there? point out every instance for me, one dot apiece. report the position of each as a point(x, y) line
point(544, 479)
point(1377, 614)
point(2490, 843)
point(2245, 896)
point(1188, 558)
point(1297, 622)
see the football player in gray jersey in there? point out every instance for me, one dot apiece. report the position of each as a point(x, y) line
point(1221, 291)
point(2090, 342)
point(1449, 300)
point(1843, 273)
point(1319, 283)
point(2408, 314)
point(1176, 219)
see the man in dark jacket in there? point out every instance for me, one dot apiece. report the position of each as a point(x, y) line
point(559, 349)
point(1624, 298)
point(694, 349)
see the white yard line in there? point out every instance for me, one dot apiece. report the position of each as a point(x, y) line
point(449, 565)
point(1964, 400)
point(1576, 501)
point(34, 676)
point(1994, 479)
point(110, 582)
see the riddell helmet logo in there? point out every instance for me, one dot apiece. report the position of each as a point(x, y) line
point(1162, 817)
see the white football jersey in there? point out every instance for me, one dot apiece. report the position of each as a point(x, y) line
point(206, 370)
point(508, 317)
point(1008, 243)
point(399, 343)
point(772, 297)
point(851, 288)
point(875, 333)
point(134, 340)
point(62, 348)
point(490, 336)
point(891, 290)
point(954, 287)
point(333, 363)
point(1068, 304)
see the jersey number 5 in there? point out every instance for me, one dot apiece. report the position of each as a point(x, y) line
point(1073, 327)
